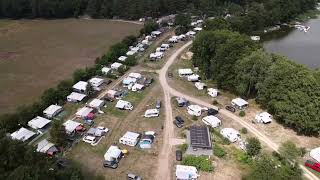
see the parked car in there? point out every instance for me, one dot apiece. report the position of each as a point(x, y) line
point(212, 112)
point(313, 165)
point(178, 124)
point(133, 177)
point(170, 75)
point(110, 164)
point(158, 104)
point(231, 109)
point(179, 118)
point(148, 81)
point(178, 155)
point(62, 163)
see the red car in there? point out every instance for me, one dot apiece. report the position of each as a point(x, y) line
point(313, 165)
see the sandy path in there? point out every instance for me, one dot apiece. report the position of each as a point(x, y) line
point(164, 166)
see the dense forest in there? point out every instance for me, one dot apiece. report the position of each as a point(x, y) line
point(288, 90)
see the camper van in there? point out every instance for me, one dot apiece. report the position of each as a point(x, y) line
point(211, 121)
point(151, 113)
point(124, 105)
point(194, 110)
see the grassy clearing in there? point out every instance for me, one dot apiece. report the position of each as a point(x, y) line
point(5, 22)
point(37, 54)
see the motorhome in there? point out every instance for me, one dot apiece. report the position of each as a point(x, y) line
point(124, 105)
point(151, 113)
point(194, 110)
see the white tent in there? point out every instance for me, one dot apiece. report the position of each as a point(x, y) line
point(193, 77)
point(213, 92)
point(195, 110)
point(239, 103)
point(151, 113)
point(135, 75)
point(71, 126)
point(96, 82)
point(231, 134)
point(137, 87)
point(96, 103)
point(211, 121)
point(75, 97)
point(84, 112)
point(52, 111)
point(122, 58)
point(38, 122)
point(22, 134)
point(113, 153)
point(264, 117)
point(116, 65)
point(200, 85)
point(80, 86)
point(128, 80)
point(106, 70)
point(121, 104)
point(131, 53)
point(129, 138)
point(185, 72)
point(44, 145)
point(186, 172)
point(315, 154)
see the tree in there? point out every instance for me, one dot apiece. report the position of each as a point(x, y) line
point(149, 26)
point(58, 133)
point(289, 150)
point(253, 147)
point(216, 24)
point(183, 19)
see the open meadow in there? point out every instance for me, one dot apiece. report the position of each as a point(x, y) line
point(37, 54)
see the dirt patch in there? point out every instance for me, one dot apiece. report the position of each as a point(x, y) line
point(37, 54)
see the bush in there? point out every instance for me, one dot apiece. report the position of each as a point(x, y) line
point(253, 147)
point(194, 118)
point(218, 151)
point(303, 151)
point(244, 130)
point(215, 102)
point(183, 147)
point(242, 113)
point(201, 163)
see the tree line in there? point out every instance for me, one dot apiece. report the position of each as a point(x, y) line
point(291, 92)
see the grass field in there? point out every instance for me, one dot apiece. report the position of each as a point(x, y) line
point(36, 54)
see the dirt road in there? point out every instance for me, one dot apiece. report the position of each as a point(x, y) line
point(164, 166)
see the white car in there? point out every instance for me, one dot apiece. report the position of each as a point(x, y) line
point(89, 139)
point(103, 129)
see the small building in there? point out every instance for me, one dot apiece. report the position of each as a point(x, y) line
point(200, 85)
point(75, 97)
point(124, 105)
point(151, 113)
point(264, 118)
point(128, 80)
point(116, 66)
point(137, 87)
point(96, 82)
point(52, 111)
point(80, 87)
point(212, 121)
point(185, 72)
point(239, 103)
point(155, 33)
point(231, 134)
point(200, 137)
point(122, 58)
point(47, 147)
point(84, 112)
point(22, 134)
point(213, 92)
point(194, 78)
point(186, 172)
point(113, 154)
point(71, 127)
point(39, 123)
point(315, 154)
point(135, 75)
point(130, 138)
point(106, 70)
point(182, 102)
point(96, 103)
point(194, 110)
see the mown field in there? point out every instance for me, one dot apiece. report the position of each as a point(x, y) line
point(37, 54)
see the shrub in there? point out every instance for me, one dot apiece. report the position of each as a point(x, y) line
point(183, 147)
point(215, 102)
point(242, 113)
point(201, 163)
point(253, 147)
point(194, 118)
point(244, 130)
point(218, 151)
point(303, 151)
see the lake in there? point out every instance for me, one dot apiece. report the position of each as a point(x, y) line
point(297, 45)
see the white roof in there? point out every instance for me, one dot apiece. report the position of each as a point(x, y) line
point(137, 86)
point(165, 45)
point(81, 85)
point(44, 145)
point(111, 92)
point(116, 65)
point(230, 133)
point(199, 85)
point(122, 58)
point(83, 112)
point(70, 125)
point(197, 29)
point(212, 120)
point(38, 122)
point(112, 152)
point(122, 103)
point(129, 80)
point(105, 70)
point(195, 107)
point(151, 111)
point(96, 103)
point(135, 75)
point(130, 135)
point(315, 154)
point(22, 134)
point(190, 33)
point(185, 71)
point(186, 172)
point(52, 109)
point(264, 117)
point(76, 96)
point(130, 53)
point(156, 32)
point(239, 102)
point(96, 80)
point(193, 76)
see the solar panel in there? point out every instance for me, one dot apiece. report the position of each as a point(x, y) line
point(200, 137)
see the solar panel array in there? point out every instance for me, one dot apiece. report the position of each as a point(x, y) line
point(200, 137)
